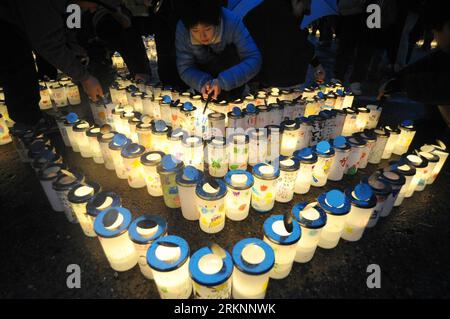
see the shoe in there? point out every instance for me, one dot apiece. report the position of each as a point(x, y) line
point(355, 87)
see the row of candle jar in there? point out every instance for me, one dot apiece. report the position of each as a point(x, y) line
point(61, 93)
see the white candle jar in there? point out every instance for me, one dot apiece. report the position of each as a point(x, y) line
point(408, 172)
point(164, 106)
point(311, 218)
point(357, 148)
point(362, 119)
point(304, 139)
point(273, 143)
point(328, 127)
point(397, 181)
point(96, 204)
point(276, 113)
point(111, 227)
point(159, 136)
point(175, 142)
point(350, 122)
point(168, 170)
point(45, 102)
point(143, 231)
point(363, 202)
point(394, 134)
point(125, 123)
point(264, 188)
point(62, 185)
point(441, 151)
point(148, 106)
point(187, 117)
point(144, 133)
point(304, 176)
point(370, 139)
point(193, 153)
point(374, 115)
point(237, 201)
point(379, 147)
point(337, 206)
point(238, 151)
point(382, 190)
point(73, 94)
point(216, 124)
point(348, 100)
point(421, 165)
point(261, 98)
point(150, 162)
point(210, 201)
point(211, 274)
point(175, 114)
point(253, 260)
point(58, 94)
point(273, 97)
point(70, 135)
point(283, 243)
point(131, 157)
point(103, 141)
point(257, 152)
point(289, 137)
point(236, 120)
point(47, 176)
point(407, 132)
point(289, 168)
point(339, 121)
point(136, 101)
point(217, 157)
point(342, 150)
point(433, 160)
point(185, 97)
point(317, 129)
point(78, 198)
point(93, 134)
point(168, 257)
point(81, 139)
point(115, 148)
point(263, 117)
point(116, 121)
point(251, 115)
point(187, 180)
point(132, 123)
point(325, 157)
point(62, 129)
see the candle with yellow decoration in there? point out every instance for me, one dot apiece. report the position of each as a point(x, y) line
point(210, 201)
point(131, 155)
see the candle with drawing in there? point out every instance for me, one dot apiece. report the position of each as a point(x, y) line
point(307, 160)
point(62, 185)
point(237, 201)
point(131, 157)
point(168, 170)
point(325, 157)
point(382, 190)
point(238, 151)
point(150, 162)
point(289, 167)
point(118, 143)
point(210, 201)
point(95, 205)
point(187, 180)
point(264, 188)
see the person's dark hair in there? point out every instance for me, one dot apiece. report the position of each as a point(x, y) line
point(193, 12)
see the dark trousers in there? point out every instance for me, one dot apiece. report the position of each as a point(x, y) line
point(18, 76)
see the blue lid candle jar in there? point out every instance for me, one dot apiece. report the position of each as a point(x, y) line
point(289, 137)
point(357, 147)
point(187, 117)
point(350, 122)
point(96, 204)
point(257, 152)
point(363, 202)
point(253, 260)
point(168, 170)
point(311, 106)
point(370, 138)
point(143, 231)
point(47, 175)
point(175, 114)
point(164, 106)
point(439, 150)
point(342, 152)
point(237, 201)
point(125, 118)
point(408, 172)
point(374, 115)
point(175, 142)
point(339, 120)
point(133, 123)
point(289, 167)
point(210, 201)
point(325, 156)
point(92, 134)
point(217, 157)
point(78, 198)
point(79, 131)
point(362, 118)
point(71, 120)
point(236, 120)
point(307, 160)
point(111, 227)
point(150, 162)
point(251, 115)
point(193, 152)
point(238, 148)
point(263, 116)
point(283, 243)
point(407, 132)
point(273, 143)
point(394, 134)
point(185, 97)
point(131, 157)
point(397, 181)
point(136, 101)
point(328, 127)
point(276, 113)
point(433, 160)
point(45, 158)
point(312, 219)
point(337, 206)
point(103, 140)
point(348, 99)
point(115, 115)
point(144, 133)
point(382, 137)
point(156, 107)
point(187, 180)
point(264, 188)
point(382, 190)
point(160, 131)
point(62, 185)
point(421, 165)
point(304, 139)
point(211, 274)
point(168, 257)
point(62, 130)
point(216, 124)
point(116, 146)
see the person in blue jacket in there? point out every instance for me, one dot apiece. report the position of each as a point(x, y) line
point(215, 52)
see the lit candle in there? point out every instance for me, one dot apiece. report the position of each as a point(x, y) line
point(382, 190)
point(129, 91)
point(304, 176)
point(339, 121)
point(81, 139)
point(394, 134)
point(217, 157)
point(407, 132)
point(47, 175)
point(350, 122)
point(237, 201)
point(311, 218)
point(103, 141)
point(175, 114)
point(433, 160)
point(164, 106)
point(331, 100)
point(253, 261)
point(304, 139)
point(397, 181)
point(193, 153)
point(328, 128)
point(78, 198)
point(73, 94)
point(116, 114)
point(257, 146)
point(159, 136)
point(236, 120)
point(310, 106)
point(58, 95)
point(342, 150)
point(45, 103)
point(263, 116)
point(168, 257)
point(143, 231)
point(357, 148)
point(148, 106)
point(251, 115)
point(378, 149)
point(421, 165)
point(131, 155)
point(273, 96)
point(273, 143)
point(118, 142)
point(211, 274)
point(216, 124)
point(264, 188)
point(133, 123)
point(362, 119)
point(185, 97)
point(125, 124)
point(187, 114)
point(150, 162)
point(136, 101)
point(238, 151)
point(111, 227)
point(320, 99)
point(71, 120)
point(363, 202)
point(370, 138)
point(441, 151)
point(337, 206)
point(168, 170)
point(187, 180)
point(166, 91)
point(348, 100)
point(62, 185)
point(374, 115)
point(276, 113)
point(289, 167)
point(283, 243)
point(197, 101)
point(121, 98)
point(175, 143)
point(408, 172)
point(325, 157)
point(144, 132)
point(92, 135)
point(317, 129)
point(95, 205)
point(289, 137)
point(340, 96)
point(210, 200)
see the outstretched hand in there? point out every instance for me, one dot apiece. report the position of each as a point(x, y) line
point(211, 86)
point(92, 88)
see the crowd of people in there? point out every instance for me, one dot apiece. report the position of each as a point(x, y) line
point(222, 48)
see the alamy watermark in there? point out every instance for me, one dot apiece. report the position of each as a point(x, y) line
point(74, 278)
point(374, 279)
point(374, 19)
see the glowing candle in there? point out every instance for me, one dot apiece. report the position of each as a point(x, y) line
point(168, 170)
point(210, 200)
point(78, 198)
point(164, 105)
point(148, 106)
point(71, 120)
point(81, 139)
point(143, 231)
point(325, 157)
point(382, 138)
point(238, 151)
point(273, 97)
point(187, 180)
point(397, 181)
point(111, 227)
point(129, 91)
point(363, 202)
point(276, 113)
point(257, 146)
point(125, 124)
point(304, 176)
point(236, 120)
point(118, 142)
point(193, 151)
point(251, 114)
point(283, 243)
point(382, 190)
point(62, 185)
point(441, 151)
point(317, 129)
point(133, 123)
point(175, 114)
point(175, 142)
point(58, 95)
point(45, 102)
point(144, 132)
point(253, 261)
point(328, 128)
point(370, 138)
point(73, 94)
point(92, 135)
point(216, 122)
point(407, 132)
point(197, 101)
point(289, 168)
point(47, 175)
point(433, 160)
point(187, 117)
point(150, 161)
point(304, 139)
point(421, 165)
point(159, 141)
point(95, 205)
point(374, 116)
point(273, 143)
point(263, 117)
point(340, 96)
point(136, 101)
point(211, 274)
point(311, 218)
point(237, 201)
point(131, 154)
point(103, 141)
point(394, 134)
point(339, 121)
point(337, 206)
point(264, 188)
point(408, 172)
point(168, 257)
point(342, 150)
point(348, 100)
point(310, 106)
point(357, 148)
point(185, 97)
point(350, 122)
point(116, 114)
point(362, 118)
point(289, 137)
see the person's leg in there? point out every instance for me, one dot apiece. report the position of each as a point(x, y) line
point(18, 76)
point(346, 46)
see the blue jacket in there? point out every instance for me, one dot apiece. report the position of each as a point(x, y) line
point(230, 31)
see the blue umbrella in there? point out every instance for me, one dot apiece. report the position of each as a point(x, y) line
point(242, 7)
point(319, 9)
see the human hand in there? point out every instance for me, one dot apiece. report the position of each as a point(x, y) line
point(211, 86)
point(92, 88)
point(319, 74)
